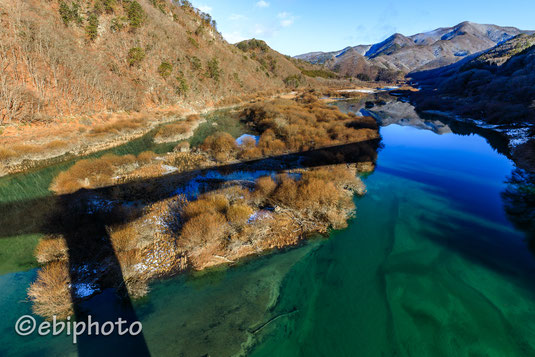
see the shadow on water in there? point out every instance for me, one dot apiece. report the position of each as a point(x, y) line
point(90, 247)
point(82, 219)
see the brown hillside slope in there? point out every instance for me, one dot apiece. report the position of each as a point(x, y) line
point(294, 72)
point(68, 57)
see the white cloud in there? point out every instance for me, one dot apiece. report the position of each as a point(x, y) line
point(262, 3)
point(286, 19)
point(259, 30)
point(263, 32)
point(237, 17)
point(283, 15)
point(234, 37)
point(205, 8)
point(286, 23)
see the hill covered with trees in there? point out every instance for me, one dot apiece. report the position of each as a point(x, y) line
point(70, 57)
point(496, 88)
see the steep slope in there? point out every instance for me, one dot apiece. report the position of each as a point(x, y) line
point(422, 51)
point(389, 46)
point(67, 57)
point(271, 63)
point(294, 72)
point(500, 54)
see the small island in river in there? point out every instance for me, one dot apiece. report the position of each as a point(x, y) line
point(202, 206)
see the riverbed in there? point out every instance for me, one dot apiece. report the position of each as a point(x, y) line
point(430, 266)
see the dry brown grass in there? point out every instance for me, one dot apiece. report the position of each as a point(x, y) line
point(320, 199)
point(147, 171)
point(304, 124)
point(90, 173)
point(203, 228)
point(176, 131)
point(118, 126)
point(136, 283)
point(192, 118)
point(146, 157)
point(283, 231)
point(212, 203)
point(339, 175)
point(50, 293)
point(18, 151)
point(124, 237)
point(51, 249)
point(239, 213)
point(250, 153)
point(6, 153)
point(221, 146)
point(187, 161)
point(265, 186)
point(55, 145)
point(249, 150)
point(232, 100)
point(183, 147)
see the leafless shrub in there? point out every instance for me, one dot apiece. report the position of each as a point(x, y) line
point(50, 293)
point(51, 249)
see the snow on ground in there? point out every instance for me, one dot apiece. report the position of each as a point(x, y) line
point(517, 136)
point(169, 169)
point(242, 138)
point(389, 88)
point(99, 205)
point(195, 186)
point(156, 260)
point(369, 91)
point(83, 290)
point(259, 215)
point(159, 222)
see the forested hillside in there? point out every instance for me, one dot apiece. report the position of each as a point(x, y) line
point(72, 57)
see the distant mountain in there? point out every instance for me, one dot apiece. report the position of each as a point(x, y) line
point(398, 54)
point(495, 88)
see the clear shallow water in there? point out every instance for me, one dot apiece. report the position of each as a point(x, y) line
point(430, 267)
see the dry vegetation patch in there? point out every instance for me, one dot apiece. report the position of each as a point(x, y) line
point(179, 131)
point(51, 293)
point(225, 222)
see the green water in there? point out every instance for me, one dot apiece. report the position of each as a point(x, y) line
point(431, 266)
point(16, 253)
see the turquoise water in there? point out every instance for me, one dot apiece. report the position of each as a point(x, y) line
point(431, 266)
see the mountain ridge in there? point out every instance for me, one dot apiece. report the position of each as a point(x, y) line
point(402, 54)
point(494, 89)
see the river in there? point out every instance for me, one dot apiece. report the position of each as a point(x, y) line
point(431, 266)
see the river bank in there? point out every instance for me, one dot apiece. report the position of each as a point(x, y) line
point(196, 208)
point(39, 145)
point(431, 256)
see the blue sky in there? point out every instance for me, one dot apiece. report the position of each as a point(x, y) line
point(298, 26)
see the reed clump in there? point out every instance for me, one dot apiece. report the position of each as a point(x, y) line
point(51, 249)
point(51, 293)
point(234, 218)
